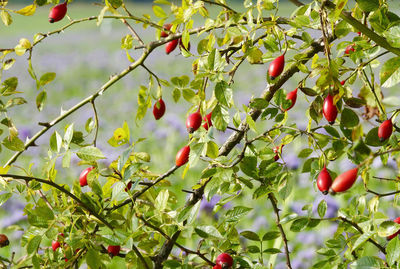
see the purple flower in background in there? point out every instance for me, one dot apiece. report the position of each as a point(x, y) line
point(24, 133)
point(292, 161)
point(208, 206)
point(15, 214)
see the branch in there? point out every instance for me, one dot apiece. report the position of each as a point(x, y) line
point(62, 189)
point(139, 193)
point(358, 228)
point(383, 194)
point(285, 241)
point(156, 228)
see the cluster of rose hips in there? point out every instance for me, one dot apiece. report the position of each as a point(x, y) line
point(324, 181)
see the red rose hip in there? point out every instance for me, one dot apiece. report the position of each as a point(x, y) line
point(276, 66)
point(4, 240)
point(349, 49)
point(159, 109)
point(182, 156)
point(292, 96)
point(193, 122)
point(329, 109)
point(114, 250)
point(385, 130)
point(207, 120)
point(171, 45)
point(167, 27)
point(324, 181)
point(345, 180)
point(57, 13)
point(224, 260)
point(83, 176)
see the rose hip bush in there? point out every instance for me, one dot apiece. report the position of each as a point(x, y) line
point(343, 57)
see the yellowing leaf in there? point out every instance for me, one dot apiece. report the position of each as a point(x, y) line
point(27, 11)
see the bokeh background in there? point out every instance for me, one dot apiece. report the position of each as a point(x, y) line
point(84, 56)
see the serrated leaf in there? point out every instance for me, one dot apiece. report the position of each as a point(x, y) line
point(208, 232)
point(322, 206)
point(271, 235)
point(33, 244)
point(390, 73)
point(237, 213)
point(90, 153)
point(250, 235)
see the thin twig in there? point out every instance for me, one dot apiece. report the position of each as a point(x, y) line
point(96, 119)
point(358, 228)
point(129, 26)
point(278, 223)
point(62, 189)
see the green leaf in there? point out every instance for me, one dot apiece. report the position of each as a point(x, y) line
point(220, 117)
point(390, 72)
point(223, 93)
point(41, 100)
point(55, 142)
point(361, 239)
point(368, 5)
point(33, 244)
point(208, 232)
point(349, 118)
point(4, 197)
point(249, 166)
point(304, 153)
point(93, 259)
point(250, 235)
point(13, 143)
point(9, 86)
point(237, 213)
point(212, 149)
point(159, 12)
point(299, 224)
point(161, 200)
point(272, 251)
point(47, 78)
point(388, 228)
point(366, 262)
point(271, 235)
point(90, 153)
point(372, 138)
point(322, 206)
point(392, 249)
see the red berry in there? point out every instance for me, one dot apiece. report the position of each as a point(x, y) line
point(349, 48)
point(171, 45)
point(276, 66)
point(181, 46)
point(277, 150)
point(182, 156)
point(224, 260)
point(114, 250)
point(207, 120)
point(390, 237)
point(324, 181)
point(167, 27)
point(159, 109)
point(4, 240)
point(329, 109)
point(58, 12)
point(343, 82)
point(128, 186)
point(293, 97)
point(193, 122)
point(83, 176)
point(358, 33)
point(345, 180)
point(217, 266)
point(385, 130)
point(55, 245)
